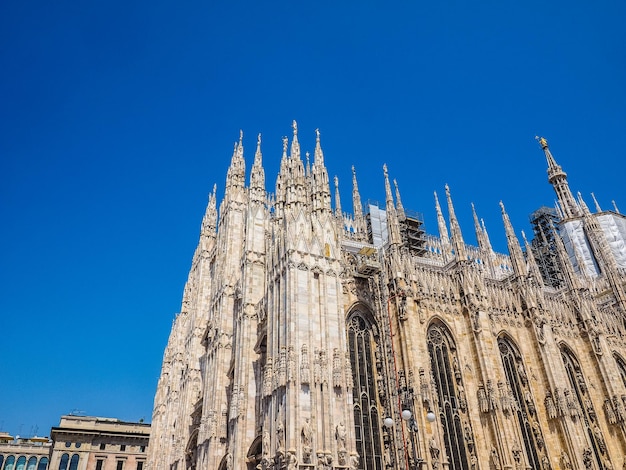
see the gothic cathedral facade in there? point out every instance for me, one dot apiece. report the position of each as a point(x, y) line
point(313, 339)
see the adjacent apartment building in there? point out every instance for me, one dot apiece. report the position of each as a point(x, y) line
point(92, 443)
point(18, 453)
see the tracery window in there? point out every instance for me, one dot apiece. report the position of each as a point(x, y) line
point(584, 408)
point(362, 342)
point(523, 406)
point(451, 401)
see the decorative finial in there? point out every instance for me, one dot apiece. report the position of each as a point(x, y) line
point(542, 141)
point(240, 136)
point(285, 142)
point(294, 124)
point(595, 201)
point(336, 182)
point(317, 134)
point(385, 169)
point(258, 139)
point(353, 171)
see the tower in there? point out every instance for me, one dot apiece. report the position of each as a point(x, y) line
point(313, 339)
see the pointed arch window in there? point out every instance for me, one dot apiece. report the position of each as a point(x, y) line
point(523, 405)
point(449, 396)
point(362, 342)
point(583, 407)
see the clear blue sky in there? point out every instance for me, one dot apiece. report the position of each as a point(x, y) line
point(116, 119)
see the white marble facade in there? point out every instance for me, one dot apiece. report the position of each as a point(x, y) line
point(305, 340)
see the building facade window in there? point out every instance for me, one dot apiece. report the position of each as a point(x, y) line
point(1, 460)
point(21, 463)
point(120, 465)
point(584, 408)
point(32, 463)
point(140, 465)
point(10, 463)
point(43, 464)
point(123, 447)
point(74, 462)
point(362, 342)
point(99, 464)
point(449, 396)
point(523, 405)
point(103, 446)
point(65, 458)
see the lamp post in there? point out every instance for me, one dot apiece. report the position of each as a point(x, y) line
point(413, 461)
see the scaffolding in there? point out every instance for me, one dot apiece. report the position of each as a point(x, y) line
point(413, 234)
point(545, 224)
point(411, 228)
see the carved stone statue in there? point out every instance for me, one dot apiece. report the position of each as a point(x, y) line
point(483, 403)
point(434, 449)
point(495, 458)
point(565, 461)
point(266, 443)
point(307, 433)
point(280, 435)
point(340, 435)
point(599, 439)
point(354, 461)
point(292, 461)
point(306, 436)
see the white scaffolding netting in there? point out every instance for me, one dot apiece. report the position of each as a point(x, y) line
point(614, 228)
point(577, 245)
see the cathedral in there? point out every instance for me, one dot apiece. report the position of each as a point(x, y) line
point(310, 338)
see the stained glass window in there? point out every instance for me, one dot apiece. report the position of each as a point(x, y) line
point(366, 420)
point(447, 379)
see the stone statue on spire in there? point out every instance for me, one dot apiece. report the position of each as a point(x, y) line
point(542, 141)
point(294, 124)
point(285, 142)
